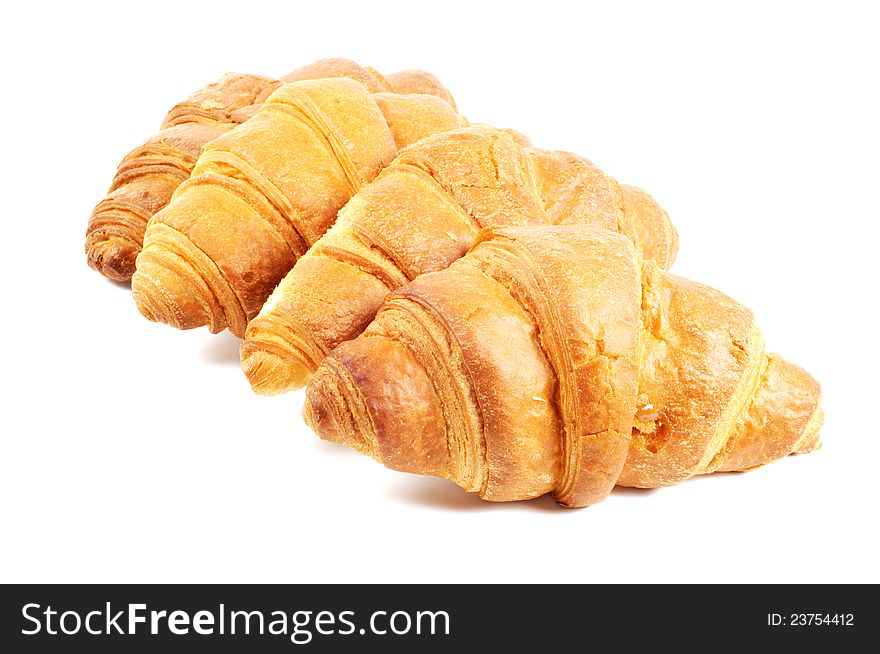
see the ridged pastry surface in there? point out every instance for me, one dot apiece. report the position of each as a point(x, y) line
point(149, 175)
point(420, 215)
point(261, 194)
point(553, 359)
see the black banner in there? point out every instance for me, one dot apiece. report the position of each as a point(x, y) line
point(235, 618)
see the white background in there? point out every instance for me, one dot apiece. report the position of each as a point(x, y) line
point(135, 453)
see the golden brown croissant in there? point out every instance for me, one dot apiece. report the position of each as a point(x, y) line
point(553, 360)
point(150, 173)
point(421, 214)
point(262, 193)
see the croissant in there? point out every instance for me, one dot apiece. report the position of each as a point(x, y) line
point(555, 360)
point(262, 193)
point(421, 214)
point(149, 174)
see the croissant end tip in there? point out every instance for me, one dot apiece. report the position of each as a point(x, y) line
point(112, 257)
point(811, 439)
point(323, 403)
point(270, 372)
point(152, 302)
point(168, 294)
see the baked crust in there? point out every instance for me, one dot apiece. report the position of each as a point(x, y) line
point(262, 193)
point(420, 215)
point(554, 359)
point(148, 175)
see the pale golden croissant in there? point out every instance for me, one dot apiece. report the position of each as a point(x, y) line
point(262, 193)
point(149, 174)
point(553, 360)
point(421, 214)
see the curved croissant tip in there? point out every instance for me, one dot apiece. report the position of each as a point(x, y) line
point(169, 294)
point(271, 373)
point(811, 439)
point(112, 257)
point(322, 405)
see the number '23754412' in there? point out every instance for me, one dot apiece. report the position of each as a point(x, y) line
point(810, 620)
